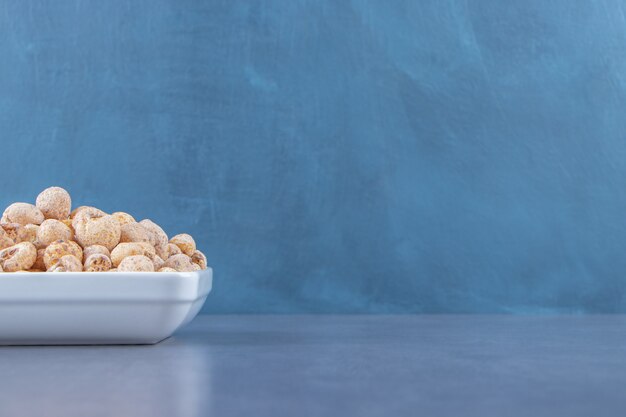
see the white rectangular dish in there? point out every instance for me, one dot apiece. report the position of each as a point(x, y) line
point(93, 308)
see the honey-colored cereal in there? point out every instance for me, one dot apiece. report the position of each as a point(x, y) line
point(28, 233)
point(126, 249)
point(18, 257)
point(181, 263)
point(50, 236)
point(136, 263)
point(67, 263)
point(39, 262)
point(159, 237)
point(123, 218)
point(93, 249)
point(92, 229)
point(16, 231)
point(60, 248)
point(54, 203)
point(135, 232)
point(5, 239)
point(52, 230)
point(68, 223)
point(185, 242)
point(97, 262)
point(199, 259)
point(158, 262)
point(11, 230)
point(148, 250)
point(92, 210)
point(172, 250)
point(23, 213)
point(20, 233)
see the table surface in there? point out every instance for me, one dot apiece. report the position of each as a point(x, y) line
point(334, 366)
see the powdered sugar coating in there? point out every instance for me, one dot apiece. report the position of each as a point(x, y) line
point(123, 218)
point(126, 249)
point(52, 230)
point(5, 239)
point(97, 262)
point(135, 232)
point(23, 213)
point(60, 248)
point(172, 250)
point(67, 263)
point(199, 259)
point(19, 257)
point(181, 263)
point(159, 238)
point(92, 229)
point(54, 203)
point(93, 249)
point(185, 242)
point(136, 263)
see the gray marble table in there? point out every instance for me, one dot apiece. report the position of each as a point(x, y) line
point(334, 366)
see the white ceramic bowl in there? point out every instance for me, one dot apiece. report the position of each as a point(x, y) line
point(98, 307)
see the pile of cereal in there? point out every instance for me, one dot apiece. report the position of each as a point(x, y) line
point(48, 236)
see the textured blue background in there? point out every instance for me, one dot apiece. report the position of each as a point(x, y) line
point(335, 156)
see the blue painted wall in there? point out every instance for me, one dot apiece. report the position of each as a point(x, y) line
point(335, 156)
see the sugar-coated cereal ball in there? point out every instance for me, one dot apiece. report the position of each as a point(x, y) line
point(136, 263)
point(28, 233)
point(158, 262)
point(135, 232)
point(67, 263)
point(126, 249)
point(148, 250)
point(159, 237)
point(92, 229)
point(77, 210)
point(172, 250)
point(93, 249)
point(54, 203)
point(95, 212)
point(181, 263)
point(51, 230)
point(13, 230)
point(23, 213)
point(10, 229)
point(60, 248)
point(185, 242)
point(199, 259)
point(49, 236)
point(5, 239)
point(123, 218)
point(18, 257)
point(39, 262)
point(20, 233)
point(97, 262)
point(68, 223)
